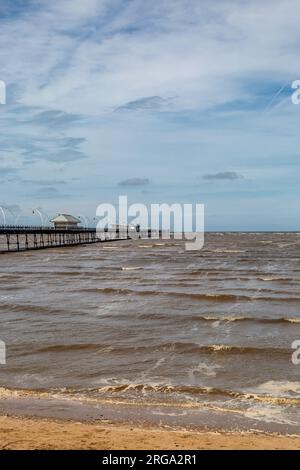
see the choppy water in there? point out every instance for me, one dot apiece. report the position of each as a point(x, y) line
point(149, 323)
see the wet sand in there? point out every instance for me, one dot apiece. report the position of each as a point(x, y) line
point(24, 433)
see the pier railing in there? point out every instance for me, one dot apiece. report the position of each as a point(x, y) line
point(43, 228)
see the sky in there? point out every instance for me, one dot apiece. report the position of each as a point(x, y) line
point(176, 101)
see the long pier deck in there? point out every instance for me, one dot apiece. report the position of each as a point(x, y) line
point(23, 238)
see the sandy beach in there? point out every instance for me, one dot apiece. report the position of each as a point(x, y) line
point(23, 433)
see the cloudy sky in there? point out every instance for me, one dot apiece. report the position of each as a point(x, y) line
point(169, 101)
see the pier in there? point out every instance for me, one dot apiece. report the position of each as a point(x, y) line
point(23, 238)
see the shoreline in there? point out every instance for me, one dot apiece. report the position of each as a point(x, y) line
point(200, 419)
point(19, 433)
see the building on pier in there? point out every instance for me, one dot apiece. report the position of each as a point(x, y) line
point(65, 222)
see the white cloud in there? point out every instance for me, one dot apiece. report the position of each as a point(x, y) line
point(92, 56)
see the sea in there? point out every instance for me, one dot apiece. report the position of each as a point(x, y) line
point(146, 332)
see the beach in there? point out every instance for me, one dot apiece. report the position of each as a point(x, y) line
point(31, 434)
point(146, 335)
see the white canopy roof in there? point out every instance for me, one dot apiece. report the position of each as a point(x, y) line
point(66, 218)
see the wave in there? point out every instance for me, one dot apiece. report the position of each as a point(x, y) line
point(181, 347)
point(133, 268)
point(150, 391)
point(278, 388)
point(214, 297)
point(219, 319)
point(193, 390)
point(236, 349)
point(244, 319)
point(221, 250)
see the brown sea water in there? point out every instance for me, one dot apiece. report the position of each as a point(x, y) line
point(191, 337)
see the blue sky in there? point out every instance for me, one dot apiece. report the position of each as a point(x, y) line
point(170, 101)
